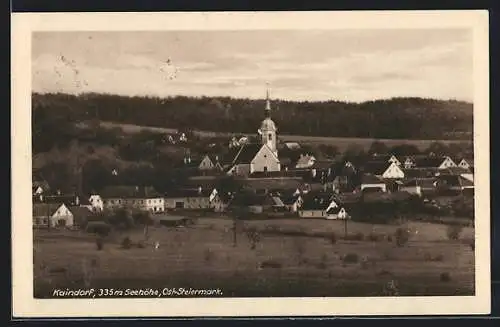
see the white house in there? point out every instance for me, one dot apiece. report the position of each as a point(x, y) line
point(52, 215)
point(369, 181)
point(305, 161)
point(132, 197)
point(439, 162)
point(384, 170)
point(96, 202)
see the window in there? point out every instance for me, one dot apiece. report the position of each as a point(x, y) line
point(265, 168)
point(270, 136)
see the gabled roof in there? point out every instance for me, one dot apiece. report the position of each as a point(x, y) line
point(279, 183)
point(252, 199)
point(370, 179)
point(305, 159)
point(189, 193)
point(317, 201)
point(383, 157)
point(247, 153)
point(323, 164)
point(422, 182)
point(428, 161)
point(44, 209)
point(376, 167)
point(292, 145)
point(126, 191)
point(289, 199)
point(80, 212)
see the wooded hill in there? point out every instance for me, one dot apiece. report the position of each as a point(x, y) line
point(397, 118)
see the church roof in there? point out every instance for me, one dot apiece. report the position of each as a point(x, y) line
point(268, 125)
point(247, 153)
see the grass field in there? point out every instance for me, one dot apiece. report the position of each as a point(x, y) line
point(203, 256)
point(341, 142)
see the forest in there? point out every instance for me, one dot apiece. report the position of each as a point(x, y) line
point(397, 118)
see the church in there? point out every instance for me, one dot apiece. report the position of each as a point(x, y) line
point(258, 157)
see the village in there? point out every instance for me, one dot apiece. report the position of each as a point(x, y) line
point(265, 178)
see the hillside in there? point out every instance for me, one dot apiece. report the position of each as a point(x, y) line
point(398, 118)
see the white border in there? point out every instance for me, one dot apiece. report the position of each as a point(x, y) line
point(24, 305)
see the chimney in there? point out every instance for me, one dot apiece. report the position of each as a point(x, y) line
point(199, 189)
point(77, 201)
point(58, 192)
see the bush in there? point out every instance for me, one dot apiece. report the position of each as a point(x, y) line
point(355, 237)
point(99, 228)
point(99, 242)
point(209, 255)
point(373, 237)
point(126, 243)
point(333, 238)
point(270, 264)
point(140, 245)
point(402, 236)
point(350, 258)
point(445, 277)
point(453, 232)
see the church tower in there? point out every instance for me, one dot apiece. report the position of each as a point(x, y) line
point(268, 129)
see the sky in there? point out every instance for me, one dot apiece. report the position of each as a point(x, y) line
point(312, 65)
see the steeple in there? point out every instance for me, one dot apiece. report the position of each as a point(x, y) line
point(268, 103)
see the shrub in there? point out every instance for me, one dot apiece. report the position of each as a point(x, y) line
point(445, 277)
point(373, 237)
point(99, 242)
point(389, 238)
point(270, 264)
point(333, 238)
point(254, 238)
point(99, 228)
point(355, 237)
point(453, 232)
point(126, 243)
point(140, 245)
point(402, 236)
point(209, 255)
point(350, 258)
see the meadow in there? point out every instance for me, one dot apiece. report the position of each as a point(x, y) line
point(205, 256)
point(342, 143)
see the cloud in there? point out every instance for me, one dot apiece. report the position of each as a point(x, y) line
point(319, 65)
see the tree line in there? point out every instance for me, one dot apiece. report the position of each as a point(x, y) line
point(397, 118)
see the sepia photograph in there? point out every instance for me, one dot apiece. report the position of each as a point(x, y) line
point(254, 161)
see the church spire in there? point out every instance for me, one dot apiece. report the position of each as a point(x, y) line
point(268, 102)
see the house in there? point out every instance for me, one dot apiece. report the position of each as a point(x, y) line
point(96, 202)
point(384, 169)
point(40, 187)
point(346, 177)
point(412, 173)
point(371, 182)
point(191, 199)
point(386, 158)
point(254, 203)
point(292, 201)
point(252, 158)
point(336, 213)
point(80, 215)
point(205, 163)
point(52, 215)
point(419, 186)
point(305, 161)
point(454, 183)
point(408, 163)
point(143, 198)
point(320, 205)
point(439, 162)
point(264, 185)
point(467, 163)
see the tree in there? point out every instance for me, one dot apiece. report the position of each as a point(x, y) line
point(437, 148)
point(143, 218)
point(404, 150)
point(378, 147)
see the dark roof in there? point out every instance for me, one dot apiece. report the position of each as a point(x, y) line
point(126, 191)
point(317, 201)
point(465, 182)
point(45, 209)
point(420, 172)
point(251, 199)
point(40, 183)
point(189, 193)
point(370, 179)
point(80, 212)
point(323, 164)
point(454, 171)
point(428, 161)
point(59, 199)
point(376, 167)
point(280, 183)
point(289, 199)
point(247, 153)
point(209, 182)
